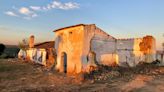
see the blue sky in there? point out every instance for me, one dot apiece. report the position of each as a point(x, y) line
point(119, 18)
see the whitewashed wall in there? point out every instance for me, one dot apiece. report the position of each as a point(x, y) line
point(125, 44)
point(99, 42)
point(128, 51)
point(34, 55)
point(104, 46)
point(89, 31)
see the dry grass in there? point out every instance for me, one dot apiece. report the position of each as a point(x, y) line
point(18, 76)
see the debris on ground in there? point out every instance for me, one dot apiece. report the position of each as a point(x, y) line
point(19, 76)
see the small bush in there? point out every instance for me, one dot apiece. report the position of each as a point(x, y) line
point(2, 48)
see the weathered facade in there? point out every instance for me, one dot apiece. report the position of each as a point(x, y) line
point(131, 51)
point(74, 45)
point(42, 53)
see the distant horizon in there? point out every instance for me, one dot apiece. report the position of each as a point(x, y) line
point(44, 40)
point(119, 18)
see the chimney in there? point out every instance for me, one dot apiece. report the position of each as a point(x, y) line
point(31, 41)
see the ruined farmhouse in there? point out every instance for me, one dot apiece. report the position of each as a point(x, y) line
point(80, 47)
point(41, 53)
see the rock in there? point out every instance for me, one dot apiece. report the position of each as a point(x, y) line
point(92, 81)
point(23, 79)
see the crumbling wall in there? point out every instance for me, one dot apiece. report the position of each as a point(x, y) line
point(148, 48)
point(133, 51)
point(128, 51)
point(104, 46)
point(34, 55)
point(88, 35)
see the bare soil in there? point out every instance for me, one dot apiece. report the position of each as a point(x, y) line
point(19, 76)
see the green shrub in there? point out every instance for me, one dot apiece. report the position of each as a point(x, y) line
point(2, 56)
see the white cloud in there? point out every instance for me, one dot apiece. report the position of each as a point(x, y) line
point(27, 12)
point(71, 5)
point(63, 6)
point(10, 13)
point(35, 8)
point(23, 12)
point(31, 11)
point(56, 5)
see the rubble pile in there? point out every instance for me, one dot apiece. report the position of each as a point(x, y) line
point(108, 75)
point(106, 72)
point(143, 68)
point(103, 73)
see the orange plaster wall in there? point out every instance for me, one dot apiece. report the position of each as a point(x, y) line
point(71, 42)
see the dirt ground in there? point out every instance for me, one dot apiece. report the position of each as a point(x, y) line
point(18, 76)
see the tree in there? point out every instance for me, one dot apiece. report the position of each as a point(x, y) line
point(2, 48)
point(23, 44)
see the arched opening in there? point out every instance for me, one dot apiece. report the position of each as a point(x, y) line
point(64, 61)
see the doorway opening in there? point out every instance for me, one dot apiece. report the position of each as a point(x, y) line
point(64, 61)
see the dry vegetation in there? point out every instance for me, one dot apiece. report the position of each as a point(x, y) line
point(18, 76)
